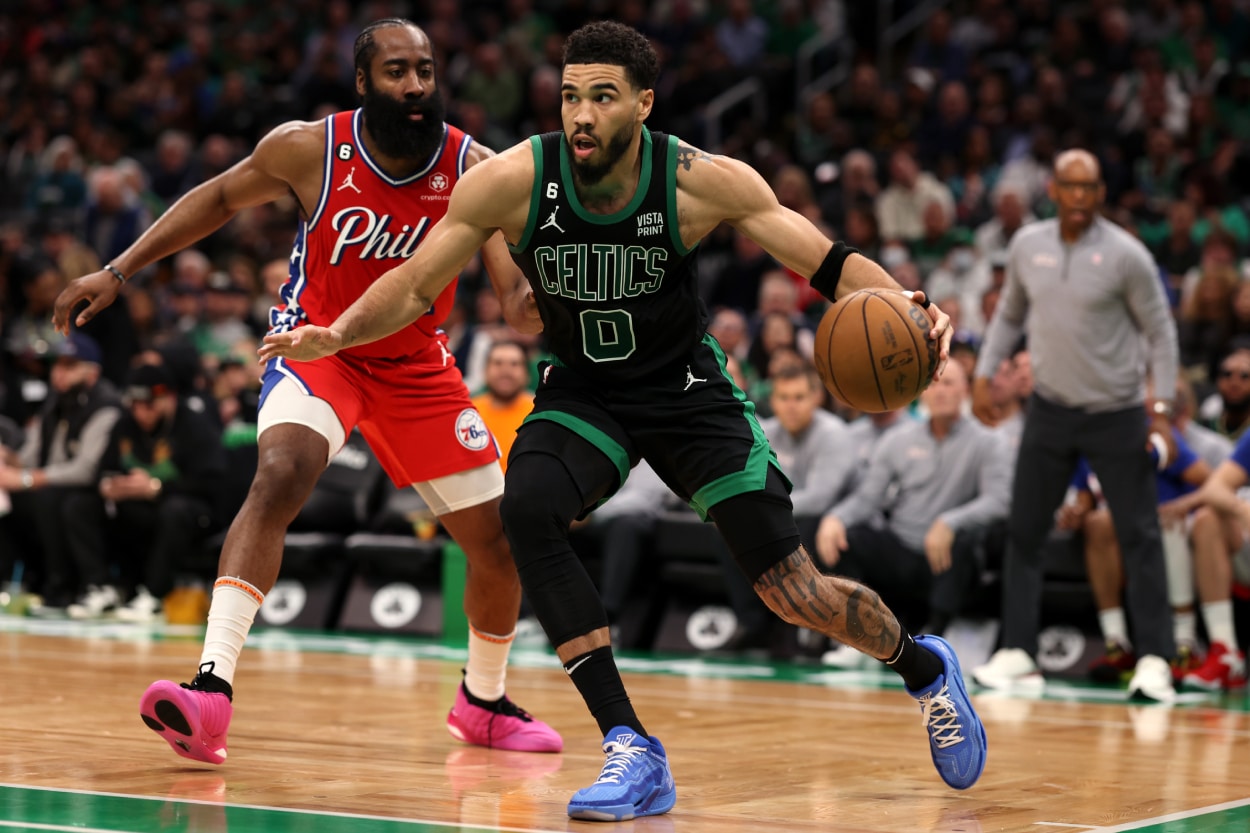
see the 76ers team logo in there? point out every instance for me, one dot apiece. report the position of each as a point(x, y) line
point(471, 430)
point(439, 182)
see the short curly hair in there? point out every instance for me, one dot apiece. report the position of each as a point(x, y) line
point(606, 42)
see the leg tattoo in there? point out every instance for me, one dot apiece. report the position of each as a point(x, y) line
point(846, 610)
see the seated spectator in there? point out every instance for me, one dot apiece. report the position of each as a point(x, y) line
point(1205, 319)
point(864, 434)
point(1156, 177)
point(1010, 389)
point(58, 187)
point(963, 347)
point(71, 255)
point(862, 231)
point(162, 470)
point(742, 34)
point(225, 310)
point(52, 481)
point(1177, 253)
point(29, 338)
point(1227, 411)
point(855, 187)
point(944, 133)
point(942, 480)
point(1011, 212)
point(777, 338)
point(973, 177)
point(901, 206)
point(1211, 446)
point(779, 294)
point(1219, 532)
point(507, 401)
point(811, 444)
point(1086, 511)
point(938, 240)
point(729, 328)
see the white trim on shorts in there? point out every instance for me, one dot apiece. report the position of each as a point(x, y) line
point(462, 490)
point(288, 403)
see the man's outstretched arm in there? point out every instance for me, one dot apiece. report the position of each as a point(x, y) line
point(745, 201)
point(265, 175)
point(403, 294)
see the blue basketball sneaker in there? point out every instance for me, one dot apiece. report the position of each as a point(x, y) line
point(956, 734)
point(635, 781)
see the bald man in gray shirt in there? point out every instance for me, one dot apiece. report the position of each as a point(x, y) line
point(1091, 300)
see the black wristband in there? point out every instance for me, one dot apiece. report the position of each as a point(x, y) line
point(117, 273)
point(825, 281)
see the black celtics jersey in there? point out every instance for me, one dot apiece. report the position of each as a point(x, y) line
point(617, 292)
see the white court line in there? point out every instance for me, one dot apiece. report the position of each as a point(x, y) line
point(1060, 824)
point(26, 825)
point(491, 828)
point(1183, 814)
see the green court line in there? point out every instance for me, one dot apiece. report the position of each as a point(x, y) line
point(1229, 817)
point(82, 811)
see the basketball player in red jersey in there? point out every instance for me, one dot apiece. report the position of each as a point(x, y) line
point(370, 183)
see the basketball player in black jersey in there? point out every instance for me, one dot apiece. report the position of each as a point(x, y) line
point(603, 218)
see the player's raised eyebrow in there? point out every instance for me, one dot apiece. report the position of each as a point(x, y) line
point(604, 85)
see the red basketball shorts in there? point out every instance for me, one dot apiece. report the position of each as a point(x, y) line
point(415, 413)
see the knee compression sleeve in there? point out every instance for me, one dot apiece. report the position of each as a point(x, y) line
point(758, 526)
point(539, 504)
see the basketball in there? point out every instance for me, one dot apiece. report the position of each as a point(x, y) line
point(873, 350)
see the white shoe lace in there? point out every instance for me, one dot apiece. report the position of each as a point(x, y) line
point(941, 719)
point(619, 758)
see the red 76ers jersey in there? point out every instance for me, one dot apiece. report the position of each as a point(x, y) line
point(366, 223)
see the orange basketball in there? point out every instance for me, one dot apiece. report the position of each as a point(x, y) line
point(873, 350)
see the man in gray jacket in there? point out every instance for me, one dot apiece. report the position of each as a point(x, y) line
point(943, 481)
point(811, 444)
point(1086, 292)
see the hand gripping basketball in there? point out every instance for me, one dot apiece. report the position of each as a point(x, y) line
point(875, 348)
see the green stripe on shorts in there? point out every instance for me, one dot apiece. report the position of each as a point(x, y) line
point(595, 436)
point(755, 473)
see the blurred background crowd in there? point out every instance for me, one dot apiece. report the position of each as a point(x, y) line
point(922, 133)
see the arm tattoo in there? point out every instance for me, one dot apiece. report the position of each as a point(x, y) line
point(687, 154)
point(846, 610)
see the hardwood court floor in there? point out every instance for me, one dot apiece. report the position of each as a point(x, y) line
point(336, 733)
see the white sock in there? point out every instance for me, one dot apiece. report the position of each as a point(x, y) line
point(488, 663)
point(1219, 619)
point(1184, 627)
point(1114, 628)
point(230, 616)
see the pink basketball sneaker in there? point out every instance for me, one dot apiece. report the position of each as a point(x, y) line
point(500, 725)
point(194, 717)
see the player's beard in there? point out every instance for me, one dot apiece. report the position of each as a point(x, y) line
point(587, 172)
point(386, 119)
